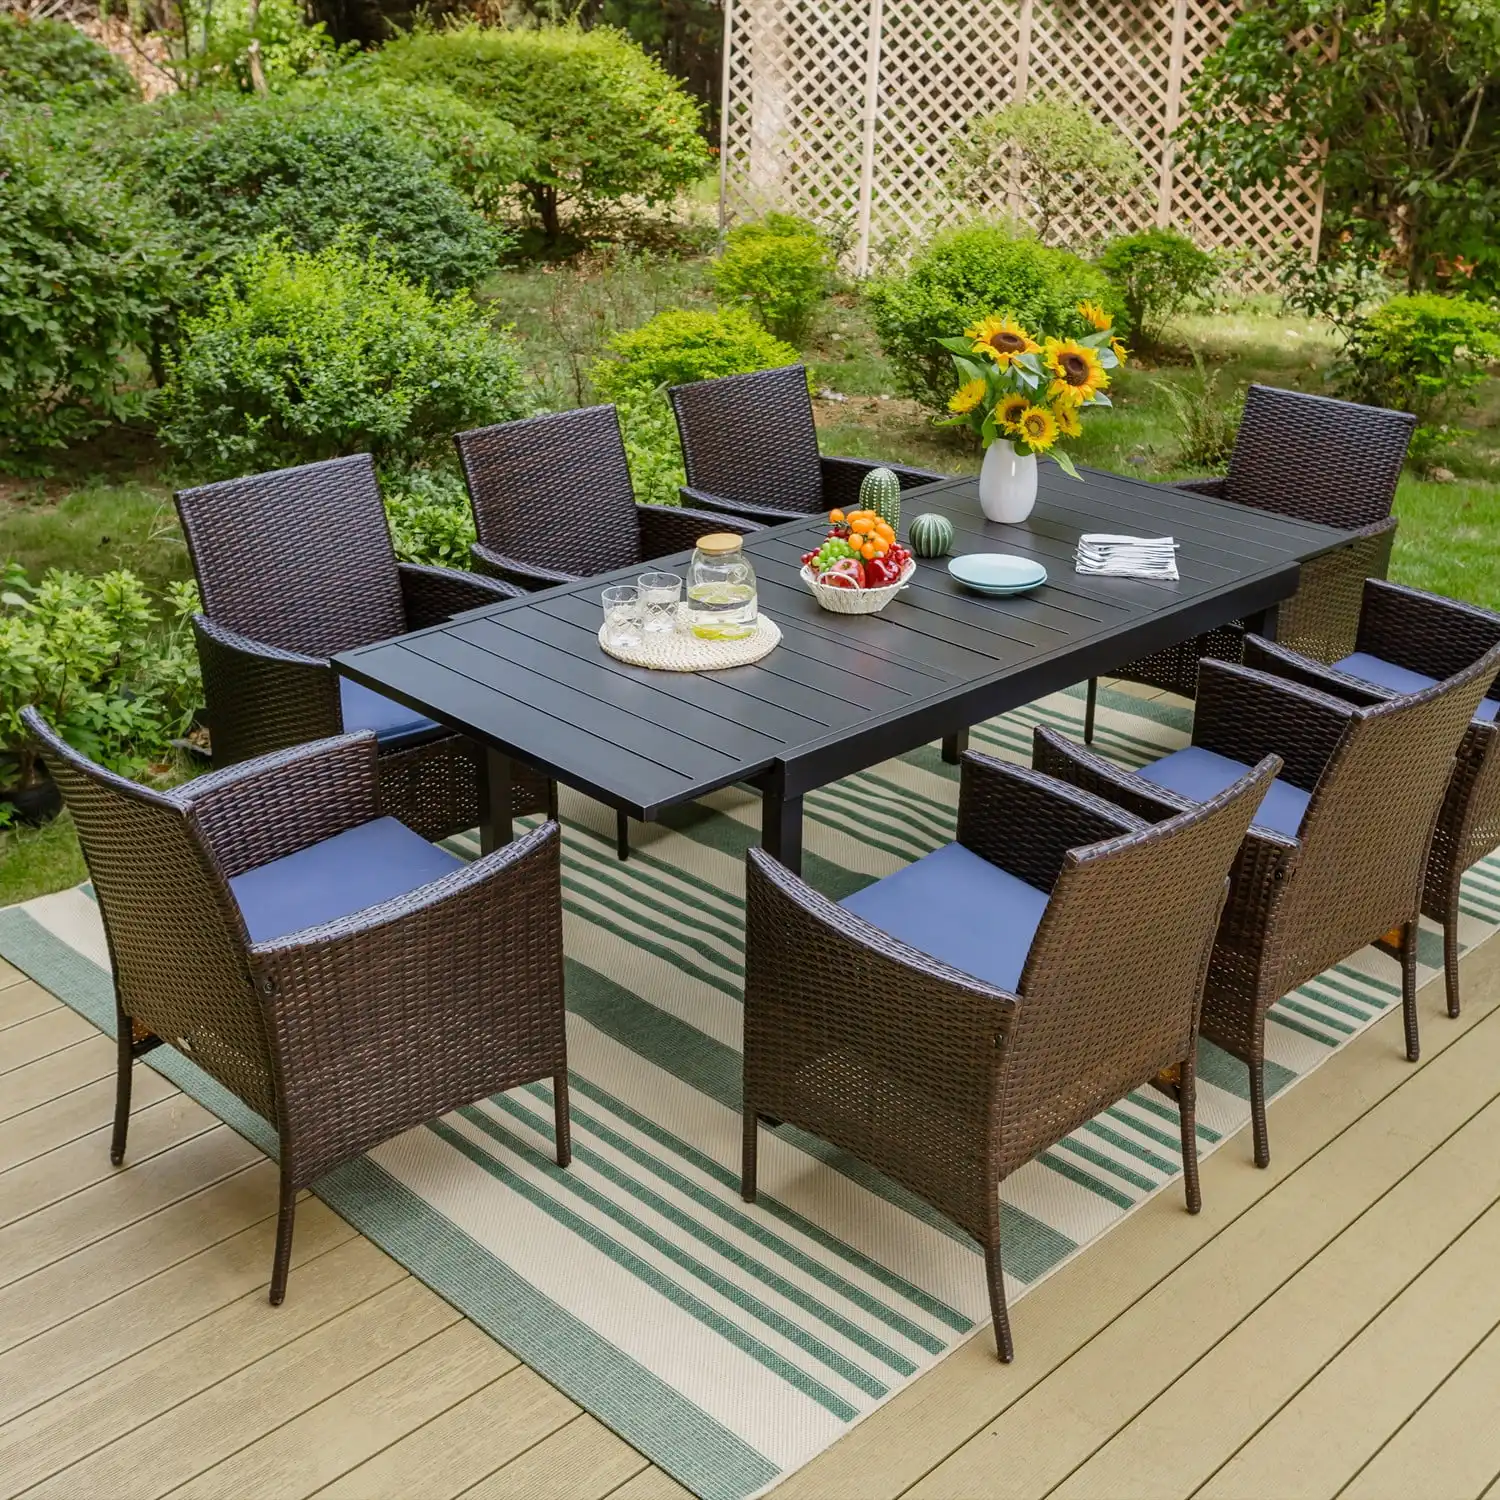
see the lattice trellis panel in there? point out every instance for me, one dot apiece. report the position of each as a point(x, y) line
point(843, 110)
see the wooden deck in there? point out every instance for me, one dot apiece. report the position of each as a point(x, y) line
point(1330, 1326)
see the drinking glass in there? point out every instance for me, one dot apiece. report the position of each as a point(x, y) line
point(660, 595)
point(622, 615)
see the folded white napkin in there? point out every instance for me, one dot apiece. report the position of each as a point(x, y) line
point(1127, 556)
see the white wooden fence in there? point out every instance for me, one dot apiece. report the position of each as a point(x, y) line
point(842, 110)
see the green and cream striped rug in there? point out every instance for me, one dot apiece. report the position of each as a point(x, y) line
point(731, 1344)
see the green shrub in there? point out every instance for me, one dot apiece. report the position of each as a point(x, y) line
point(780, 268)
point(673, 348)
point(1207, 420)
point(486, 157)
point(431, 521)
point(307, 165)
point(1068, 159)
point(608, 121)
point(963, 276)
point(1156, 272)
point(1426, 354)
point(211, 47)
point(306, 355)
point(85, 281)
point(95, 657)
point(51, 62)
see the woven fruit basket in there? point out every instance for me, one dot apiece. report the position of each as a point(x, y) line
point(845, 601)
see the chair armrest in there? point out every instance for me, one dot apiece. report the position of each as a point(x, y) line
point(766, 515)
point(1206, 486)
point(433, 595)
point(675, 528)
point(842, 478)
point(262, 809)
point(1281, 661)
point(1026, 822)
point(1424, 632)
point(525, 575)
point(260, 698)
point(422, 1003)
point(1247, 715)
point(1063, 760)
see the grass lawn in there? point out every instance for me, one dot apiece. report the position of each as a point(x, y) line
point(109, 503)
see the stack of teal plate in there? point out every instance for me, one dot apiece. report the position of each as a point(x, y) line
point(997, 573)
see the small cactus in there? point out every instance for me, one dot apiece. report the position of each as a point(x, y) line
point(880, 491)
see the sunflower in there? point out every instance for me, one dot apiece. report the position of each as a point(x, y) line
point(1009, 412)
point(967, 396)
point(1121, 353)
point(1002, 339)
point(1038, 427)
point(1095, 315)
point(1066, 415)
point(1079, 375)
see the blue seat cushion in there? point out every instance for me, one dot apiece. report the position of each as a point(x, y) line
point(1200, 774)
point(1401, 679)
point(959, 908)
point(336, 877)
point(394, 724)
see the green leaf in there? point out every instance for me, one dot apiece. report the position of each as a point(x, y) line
point(1065, 463)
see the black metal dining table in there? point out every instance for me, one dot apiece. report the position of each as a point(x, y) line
point(528, 680)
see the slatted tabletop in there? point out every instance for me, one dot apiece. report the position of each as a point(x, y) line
point(528, 678)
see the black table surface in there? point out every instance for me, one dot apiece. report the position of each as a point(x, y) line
point(840, 693)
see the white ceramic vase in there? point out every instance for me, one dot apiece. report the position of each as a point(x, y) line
point(1007, 483)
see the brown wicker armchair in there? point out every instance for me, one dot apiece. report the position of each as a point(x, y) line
point(1317, 459)
point(1409, 640)
point(949, 1023)
point(1336, 857)
point(343, 977)
point(553, 503)
point(750, 448)
point(293, 567)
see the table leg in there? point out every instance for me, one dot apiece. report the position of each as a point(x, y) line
point(781, 829)
point(495, 827)
point(1263, 623)
point(954, 746)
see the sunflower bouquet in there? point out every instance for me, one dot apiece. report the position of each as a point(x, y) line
point(1013, 389)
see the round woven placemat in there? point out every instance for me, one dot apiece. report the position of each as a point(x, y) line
point(681, 651)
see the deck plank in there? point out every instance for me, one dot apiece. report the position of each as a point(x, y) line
point(74, 1113)
point(41, 1036)
point(582, 1460)
point(21, 1002)
point(464, 1445)
point(157, 1455)
point(51, 1077)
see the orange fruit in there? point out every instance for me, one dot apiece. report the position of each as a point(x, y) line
point(834, 517)
point(868, 551)
point(858, 525)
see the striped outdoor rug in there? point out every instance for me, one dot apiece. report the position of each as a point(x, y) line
point(732, 1344)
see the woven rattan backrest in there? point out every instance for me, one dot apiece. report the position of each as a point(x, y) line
point(1112, 984)
point(1365, 834)
point(751, 438)
point(1317, 459)
point(1433, 632)
point(175, 936)
point(299, 558)
point(554, 490)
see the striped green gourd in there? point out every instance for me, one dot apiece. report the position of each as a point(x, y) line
point(931, 535)
point(880, 491)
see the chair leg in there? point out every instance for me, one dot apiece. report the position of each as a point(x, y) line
point(124, 1072)
point(552, 800)
point(622, 835)
point(561, 1121)
point(1450, 957)
point(1259, 1128)
point(1187, 1105)
point(285, 1222)
point(751, 1122)
point(1090, 702)
point(1409, 989)
point(1000, 1316)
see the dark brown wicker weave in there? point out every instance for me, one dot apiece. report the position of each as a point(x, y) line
point(1354, 871)
point(343, 1035)
point(1437, 637)
point(947, 1084)
point(553, 503)
point(1321, 460)
point(750, 448)
point(294, 566)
